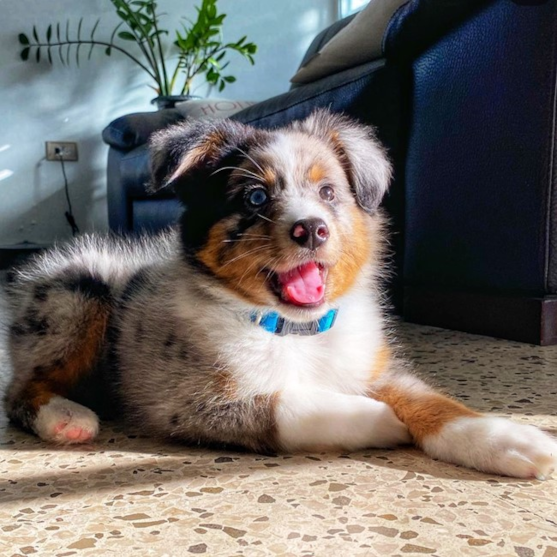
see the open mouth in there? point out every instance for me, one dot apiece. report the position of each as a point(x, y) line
point(302, 286)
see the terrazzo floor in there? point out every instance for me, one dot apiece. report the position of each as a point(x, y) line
point(128, 495)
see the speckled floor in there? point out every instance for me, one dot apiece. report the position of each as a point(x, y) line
point(133, 496)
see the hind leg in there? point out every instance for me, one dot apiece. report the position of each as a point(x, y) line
point(55, 340)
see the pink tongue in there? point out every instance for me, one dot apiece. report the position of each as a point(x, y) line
point(302, 285)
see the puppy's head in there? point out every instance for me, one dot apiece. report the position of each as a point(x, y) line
point(285, 219)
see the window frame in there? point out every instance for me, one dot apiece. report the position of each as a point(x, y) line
point(349, 7)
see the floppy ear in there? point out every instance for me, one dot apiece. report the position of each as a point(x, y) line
point(193, 150)
point(362, 156)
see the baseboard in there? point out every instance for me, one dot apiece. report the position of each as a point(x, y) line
point(15, 254)
point(521, 318)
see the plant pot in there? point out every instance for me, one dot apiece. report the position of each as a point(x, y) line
point(169, 101)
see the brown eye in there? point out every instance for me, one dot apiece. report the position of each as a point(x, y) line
point(327, 193)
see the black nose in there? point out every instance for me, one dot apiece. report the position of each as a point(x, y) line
point(310, 233)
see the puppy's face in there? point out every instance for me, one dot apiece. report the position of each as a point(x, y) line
point(284, 219)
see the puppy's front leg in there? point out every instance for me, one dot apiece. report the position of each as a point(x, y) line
point(449, 431)
point(311, 420)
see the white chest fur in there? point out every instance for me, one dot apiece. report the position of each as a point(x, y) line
point(340, 360)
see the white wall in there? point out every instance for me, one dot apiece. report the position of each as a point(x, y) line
point(39, 102)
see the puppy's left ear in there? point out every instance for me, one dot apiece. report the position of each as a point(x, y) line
point(364, 159)
point(190, 151)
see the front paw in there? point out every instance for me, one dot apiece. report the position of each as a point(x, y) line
point(495, 445)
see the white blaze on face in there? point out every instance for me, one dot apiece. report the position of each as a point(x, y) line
point(293, 154)
point(298, 207)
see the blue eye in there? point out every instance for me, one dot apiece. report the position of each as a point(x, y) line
point(258, 197)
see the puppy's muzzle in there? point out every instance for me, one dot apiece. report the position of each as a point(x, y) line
point(310, 233)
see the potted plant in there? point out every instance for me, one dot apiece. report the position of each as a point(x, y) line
point(198, 47)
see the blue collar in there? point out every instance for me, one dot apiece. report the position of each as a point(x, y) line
point(278, 325)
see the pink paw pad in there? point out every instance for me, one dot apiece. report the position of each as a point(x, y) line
point(77, 434)
point(66, 422)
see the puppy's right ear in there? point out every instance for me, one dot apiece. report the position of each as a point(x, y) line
point(193, 150)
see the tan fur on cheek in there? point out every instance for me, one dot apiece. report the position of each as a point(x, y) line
point(356, 251)
point(423, 413)
point(238, 264)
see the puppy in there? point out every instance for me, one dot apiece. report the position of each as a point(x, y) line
point(258, 323)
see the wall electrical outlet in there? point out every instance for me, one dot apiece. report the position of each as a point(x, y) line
point(65, 149)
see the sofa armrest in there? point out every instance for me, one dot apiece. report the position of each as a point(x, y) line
point(131, 131)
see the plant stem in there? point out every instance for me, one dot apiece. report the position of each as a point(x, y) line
point(98, 43)
point(149, 53)
point(168, 91)
point(189, 77)
point(175, 74)
point(187, 81)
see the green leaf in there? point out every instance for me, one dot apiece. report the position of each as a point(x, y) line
point(38, 55)
point(48, 34)
point(212, 76)
point(126, 36)
point(108, 51)
point(49, 56)
point(123, 16)
point(94, 29)
point(23, 39)
point(58, 31)
point(222, 85)
point(144, 17)
point(79, 28)
point(115, 30)
point(35, 35)
point(229, 79)
point(25, 53)
point(158, 33)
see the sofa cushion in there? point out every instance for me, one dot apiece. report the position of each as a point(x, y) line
point(211, 109)
point(323, 38)
point(357, 43)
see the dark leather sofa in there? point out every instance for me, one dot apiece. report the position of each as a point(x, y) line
point(464, 97)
